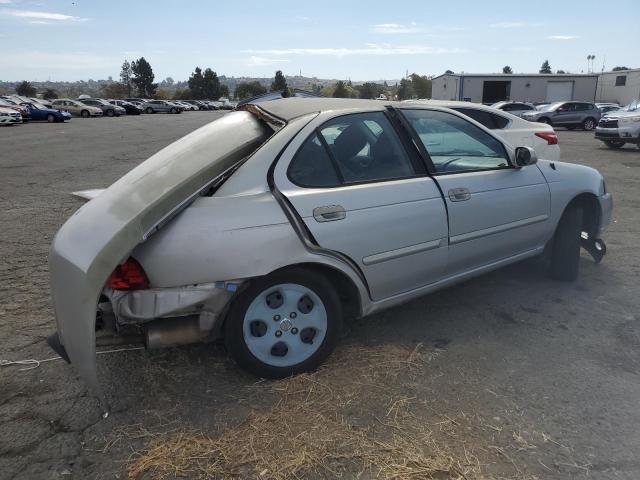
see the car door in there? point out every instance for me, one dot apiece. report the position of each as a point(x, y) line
point(495, 211)
point(564, 114)
point(362, 192)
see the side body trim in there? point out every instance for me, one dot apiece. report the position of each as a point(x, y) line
point(401, 252)
point(465, 237)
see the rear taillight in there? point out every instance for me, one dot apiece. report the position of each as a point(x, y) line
point(128, 276)
point(550, 137)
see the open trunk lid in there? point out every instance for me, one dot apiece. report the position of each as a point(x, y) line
point(102, 232)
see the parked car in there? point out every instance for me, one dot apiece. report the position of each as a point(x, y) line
point(157, 106)
point(129, 107)
point(512, 129)
point(108, 109)
point(9, 116)
point(185, 106)
point(514, 108)
point(607, 107)
point(572, 115)
point(24, 112)
point(617, 129)
point(76, 107)
point(51, 115)
point(42, 101)
point(268, 226)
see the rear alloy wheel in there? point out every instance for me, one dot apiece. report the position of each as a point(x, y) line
point(173, 110)
point(149, 110)
point(589, 124)
point(84, 113)
point(615, 144)
point(110, 113)
point(565, 252)
point(283, 324)
point(51, 118)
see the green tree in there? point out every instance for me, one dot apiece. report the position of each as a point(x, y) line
point(560, 71)
point(210, 85)
point(340, 90)
point(507, 69)
point(249, 89)
point(545, 68)
point(405, 89)
point(448, 72)
point(617, 69)
point(369, 90)
point(25, 89)
point(115, 90)
point(280, 83)
point(143, 78)
point(421, 85)
point(50, 94)
point(196, 84)
point(126, 76)
point(224, 91)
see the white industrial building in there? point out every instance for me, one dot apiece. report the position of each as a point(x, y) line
point(621, 87)
point(490, 88)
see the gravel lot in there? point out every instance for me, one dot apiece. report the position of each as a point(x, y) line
point(510, 375)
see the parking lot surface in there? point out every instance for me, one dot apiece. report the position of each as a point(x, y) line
point(510, 375)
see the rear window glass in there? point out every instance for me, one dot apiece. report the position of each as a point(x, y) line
point(488, 119)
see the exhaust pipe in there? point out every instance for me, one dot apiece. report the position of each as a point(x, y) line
point(173, 332)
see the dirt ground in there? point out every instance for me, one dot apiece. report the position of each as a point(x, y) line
point(510, 375)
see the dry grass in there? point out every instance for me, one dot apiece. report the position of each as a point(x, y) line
point(316, 428)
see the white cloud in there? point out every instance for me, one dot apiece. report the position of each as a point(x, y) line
point(41, 15)
point(255, 61)
point(562, 37)
point(396, 28)
point(371, 49)
point(39, 22)
point(5, 2)
point(302, 17)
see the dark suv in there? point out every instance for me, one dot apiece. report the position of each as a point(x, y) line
point(567, 114)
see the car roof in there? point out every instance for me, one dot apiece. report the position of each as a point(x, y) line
point(289, 108)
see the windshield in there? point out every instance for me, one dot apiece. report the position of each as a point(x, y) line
point(633, 106)
point(549, 108)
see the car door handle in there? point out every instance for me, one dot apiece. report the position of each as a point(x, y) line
point(459, 194)
point(329, 213)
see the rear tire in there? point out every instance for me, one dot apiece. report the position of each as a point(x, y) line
point(565, 251)
point(110, 113)
point(173, 110)
point(51, 118)
point(272, 324)
point(589, 124)
point(84, 113)
point(615, 144)
point(149, 110)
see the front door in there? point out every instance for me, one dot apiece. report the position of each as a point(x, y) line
point(360, 192)
point(495, 210)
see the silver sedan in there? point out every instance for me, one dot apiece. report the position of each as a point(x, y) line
point(270, 225)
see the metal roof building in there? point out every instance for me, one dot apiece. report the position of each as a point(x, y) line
point(622, 86)
point(494, 87)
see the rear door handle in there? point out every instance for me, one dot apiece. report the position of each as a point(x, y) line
point(459, 194)
point(329, 213)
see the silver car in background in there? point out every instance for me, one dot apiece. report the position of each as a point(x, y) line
point(514, 108)
point(161, 106)
point(271, 224)
point(571, 115)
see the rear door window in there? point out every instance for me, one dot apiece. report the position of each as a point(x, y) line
point(354, 148)
point(490, 120)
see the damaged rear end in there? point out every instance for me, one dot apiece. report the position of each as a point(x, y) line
point(90, 261)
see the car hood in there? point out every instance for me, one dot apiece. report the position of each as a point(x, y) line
point(616, 115)
point(103, 232)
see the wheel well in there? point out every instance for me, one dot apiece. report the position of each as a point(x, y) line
point(345, 288)
point(590, 211)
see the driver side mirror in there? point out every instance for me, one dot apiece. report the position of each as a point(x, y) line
point(525, 156)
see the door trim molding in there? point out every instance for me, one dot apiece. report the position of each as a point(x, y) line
point(401, 252)
point(465, 237)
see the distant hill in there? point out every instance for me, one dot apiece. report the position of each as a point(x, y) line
point(94, 87)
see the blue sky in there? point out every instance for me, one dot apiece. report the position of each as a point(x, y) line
point(81, 39)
